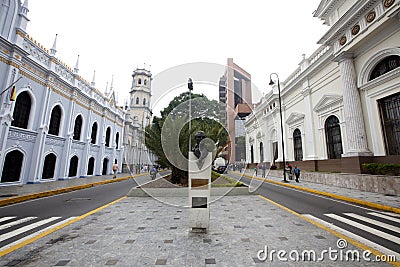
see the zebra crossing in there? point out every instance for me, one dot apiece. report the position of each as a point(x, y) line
point(384, 225)
point(14, 230)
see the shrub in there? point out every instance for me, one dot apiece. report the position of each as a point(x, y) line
point(382, 169)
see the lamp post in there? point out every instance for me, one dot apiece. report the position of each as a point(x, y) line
point(271, 82)
point(190, 87)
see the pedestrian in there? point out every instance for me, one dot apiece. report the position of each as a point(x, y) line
point(115, 169)
point(255, 170)
point(296, 172)
point(263, 168)
point(289, 170)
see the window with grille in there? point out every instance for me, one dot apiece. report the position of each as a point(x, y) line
point(261, 152)
point(12, 166)
point(55, 120)
point(22, 110)
point(77, 128)
point(333, 138)
point(387, 64)
point(297, 145)
point(108, 133)
point(49, 166)
point(93, 135)
point(116, 140)
point(389, 108)
point(73, 166)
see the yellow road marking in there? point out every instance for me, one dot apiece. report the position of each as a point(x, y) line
point(350, 240)
point(33, 239)
point(344, 198)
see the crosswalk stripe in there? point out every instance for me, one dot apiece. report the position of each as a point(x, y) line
point(382, 249)
point(26, 228)
point(6, 218)
point(8, 225)
point(365, 228)
point(378, 223)
point(384, 216)
point(34, 234)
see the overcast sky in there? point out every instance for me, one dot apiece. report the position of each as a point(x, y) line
point(114, 37)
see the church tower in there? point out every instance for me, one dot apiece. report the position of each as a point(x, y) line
point(140, 97)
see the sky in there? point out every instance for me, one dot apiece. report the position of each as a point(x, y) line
point(115, 37)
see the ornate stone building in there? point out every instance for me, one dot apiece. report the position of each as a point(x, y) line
point(59, 126)
point(341, 106)
point(139, 116)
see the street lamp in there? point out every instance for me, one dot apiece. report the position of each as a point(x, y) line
point(271, 82)
point(190, 87)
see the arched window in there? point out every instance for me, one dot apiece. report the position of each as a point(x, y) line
point(139, 81)
point(385, 65)
point(145, 81)
point(389, 109)
point(93, 135)
point(261, 152)
point(252, 154)
point(77, 128)
point(55, 120)
point(137, 100)
point(22, 110)
point(73, 166)
point(90, 166)
point(12, 166)
point(49, 166)
point(116, 140)
point(144, 101)
point(105, 165)
point(297, 145)
point(333, 138)
point(108, 133)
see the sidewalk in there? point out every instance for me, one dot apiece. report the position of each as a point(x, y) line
point(332, 191)
point(141, 231)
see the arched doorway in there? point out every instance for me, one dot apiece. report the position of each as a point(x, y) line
point(252, 154)
point(90, 166)
point(261, 152)
point(12, 167)
point(73, 166)
point(105, 166)
point(49, 166)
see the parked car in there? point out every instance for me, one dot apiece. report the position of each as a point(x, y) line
point(219, 165)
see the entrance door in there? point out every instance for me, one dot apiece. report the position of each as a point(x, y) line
point(105, 165)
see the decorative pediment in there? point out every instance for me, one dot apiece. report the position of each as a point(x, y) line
point(328, 102)
point(251, 139)
point(259, 135)
point(294, 117)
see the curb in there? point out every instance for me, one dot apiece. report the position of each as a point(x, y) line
point(17, 199)
point(331, 195)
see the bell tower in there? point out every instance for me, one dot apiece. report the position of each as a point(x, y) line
point(140, 96)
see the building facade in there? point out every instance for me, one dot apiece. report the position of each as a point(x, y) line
point(236, 103)
point(53, 123)
point(341, 106)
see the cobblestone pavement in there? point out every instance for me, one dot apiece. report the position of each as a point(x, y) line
point(140, 231)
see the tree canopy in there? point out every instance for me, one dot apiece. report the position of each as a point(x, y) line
point(168, 136)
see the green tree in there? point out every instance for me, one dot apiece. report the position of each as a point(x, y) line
point(168, 136)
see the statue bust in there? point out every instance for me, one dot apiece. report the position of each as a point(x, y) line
point(202, 148)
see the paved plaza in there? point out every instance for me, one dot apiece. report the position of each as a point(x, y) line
point(142, 231)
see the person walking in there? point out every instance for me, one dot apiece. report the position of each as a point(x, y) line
point(263, 168)
point(296, 172)
point(115, 169)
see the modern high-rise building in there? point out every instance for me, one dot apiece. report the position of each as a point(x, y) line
point(236, 104)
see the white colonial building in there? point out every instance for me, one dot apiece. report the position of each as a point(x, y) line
point(341, 106)
point(59, 126)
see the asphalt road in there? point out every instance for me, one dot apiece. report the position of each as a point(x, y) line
point(382, 231)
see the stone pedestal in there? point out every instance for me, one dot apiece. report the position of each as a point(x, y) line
point(199, 193)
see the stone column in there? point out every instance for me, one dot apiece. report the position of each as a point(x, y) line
point(355, 128)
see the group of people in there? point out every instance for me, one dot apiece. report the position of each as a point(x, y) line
point(289, 170)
